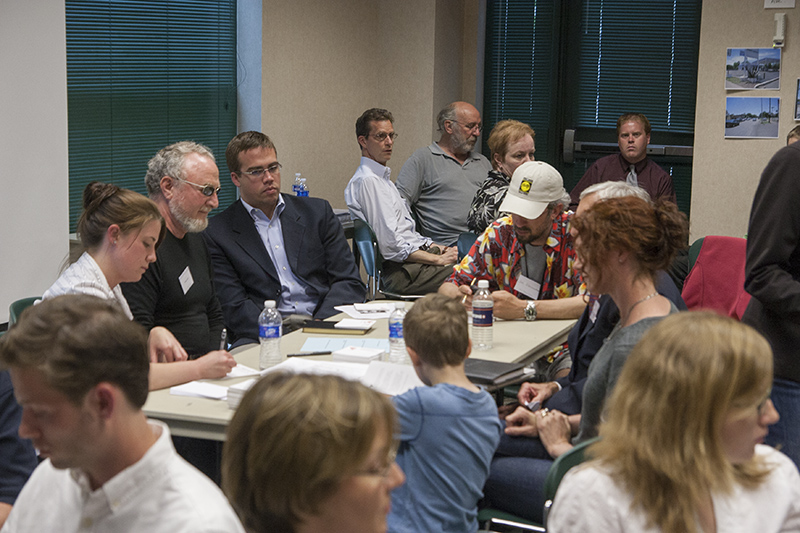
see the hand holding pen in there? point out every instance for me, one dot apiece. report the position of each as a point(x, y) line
point(466, 290)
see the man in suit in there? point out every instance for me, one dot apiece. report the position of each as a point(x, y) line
point(269, 246)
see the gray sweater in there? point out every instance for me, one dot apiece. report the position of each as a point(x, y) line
point(604, 371)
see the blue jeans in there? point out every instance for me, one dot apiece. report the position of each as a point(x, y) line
point(786, 433)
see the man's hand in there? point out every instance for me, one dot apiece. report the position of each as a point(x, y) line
point(521, 423)
point(554, 431)
point(449, 256)
point(466, 298)
point(539, 392)
point(164, 347)
point(507, 306)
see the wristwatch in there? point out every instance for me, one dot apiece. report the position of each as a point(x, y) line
point(530, 311)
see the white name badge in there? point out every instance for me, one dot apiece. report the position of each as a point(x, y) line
point(594, 310)
point(528, 287)
point(186, 280)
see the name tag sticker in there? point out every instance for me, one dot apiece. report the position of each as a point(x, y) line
point(593, 312)
point(186, 280)
point(528, 287)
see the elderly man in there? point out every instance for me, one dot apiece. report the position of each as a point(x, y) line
point(413, 264)
point(631, 164)
point(440, 180)
point(176, 291)
point(527, 256)
point(270, 246)
point(107, 467)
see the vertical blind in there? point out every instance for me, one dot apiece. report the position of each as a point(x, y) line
point(144, 74)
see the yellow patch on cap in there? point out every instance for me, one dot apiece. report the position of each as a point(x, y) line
point(525, 186)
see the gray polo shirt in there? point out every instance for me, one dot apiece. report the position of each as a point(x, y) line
point(441, 190)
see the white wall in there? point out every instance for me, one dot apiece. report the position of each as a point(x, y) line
point(726, 171)
point(33, 147)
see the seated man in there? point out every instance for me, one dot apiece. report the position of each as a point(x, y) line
point(176, 292)
point(17, 456)
point(270, 246)
point(440, 180)
point(630, 165)
point(412, 263)
point(107, 467)
point(527, 256)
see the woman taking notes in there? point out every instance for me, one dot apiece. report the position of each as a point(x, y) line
point(311, 454)
point(681, 446)
point(120, 231)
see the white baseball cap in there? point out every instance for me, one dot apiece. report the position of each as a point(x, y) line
point(533, 186)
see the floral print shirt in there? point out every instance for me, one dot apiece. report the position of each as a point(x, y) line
point(486, 204)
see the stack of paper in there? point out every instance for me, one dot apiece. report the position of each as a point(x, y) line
point(236, 392)
point(357, 354)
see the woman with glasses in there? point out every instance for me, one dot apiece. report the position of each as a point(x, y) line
point(311, 453)
point(511, 144)
point(681, 446)
point(120, 231)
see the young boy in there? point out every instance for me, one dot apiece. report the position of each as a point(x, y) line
point(449, 430)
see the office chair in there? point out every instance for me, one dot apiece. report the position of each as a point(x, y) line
point(366, 243)
point(465, 242)
point(16, 308)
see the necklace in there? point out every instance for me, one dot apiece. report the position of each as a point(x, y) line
point(637, 302)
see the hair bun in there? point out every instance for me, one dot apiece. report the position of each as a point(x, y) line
point(96, 193)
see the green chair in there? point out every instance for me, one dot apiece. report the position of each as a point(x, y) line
point(366, 243)
point(507, 522)
point(465, 242)
point(16, 308)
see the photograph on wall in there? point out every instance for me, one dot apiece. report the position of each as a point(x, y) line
point(797, 101)
point(753, 68)
point(751, 117)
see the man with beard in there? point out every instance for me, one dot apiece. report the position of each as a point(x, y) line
point(528, 255)
point(440, 180)
point(177, 292)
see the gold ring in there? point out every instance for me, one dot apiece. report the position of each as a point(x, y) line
point(545, 412)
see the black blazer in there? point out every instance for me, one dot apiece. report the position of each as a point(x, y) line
point(244, 275)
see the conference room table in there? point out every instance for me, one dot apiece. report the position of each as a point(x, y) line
point(515, 341)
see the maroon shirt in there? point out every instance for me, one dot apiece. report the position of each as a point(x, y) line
point(650, 176)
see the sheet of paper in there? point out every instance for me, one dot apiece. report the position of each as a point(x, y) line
point(352, 371)
point(320, 344)
point(391, 378)
point(199, 389)
point(355, 323)
point(372, 311)
point(240, 371)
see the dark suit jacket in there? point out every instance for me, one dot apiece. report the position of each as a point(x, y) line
point(244, 275)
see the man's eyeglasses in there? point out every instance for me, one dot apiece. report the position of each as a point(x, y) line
point(472, 126)
point(382, 136)
point(258, 173)
point(206, 190)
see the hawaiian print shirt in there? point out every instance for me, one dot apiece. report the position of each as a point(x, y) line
point(497, 254)
point(486, 204)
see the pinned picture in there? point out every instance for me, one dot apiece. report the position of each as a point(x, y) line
point(753, 68)
point(797, 101)
point(751, 117)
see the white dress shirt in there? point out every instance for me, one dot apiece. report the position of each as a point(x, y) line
point(85, 277)
point(159, 493)
point(371, 196)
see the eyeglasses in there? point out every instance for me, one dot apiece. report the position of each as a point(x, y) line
point(382, 136)
point(762, 407)
point(382, 471)
point(258, 173)
point(471, 126)
point(206, 190)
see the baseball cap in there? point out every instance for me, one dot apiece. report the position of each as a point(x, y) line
point(533, 186)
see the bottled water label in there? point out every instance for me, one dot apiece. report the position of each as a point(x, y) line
point(269, 332)
point(395, 330)
point(482, 316)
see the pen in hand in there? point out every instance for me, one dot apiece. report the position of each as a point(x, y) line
point(222, 339)
point(471, 283)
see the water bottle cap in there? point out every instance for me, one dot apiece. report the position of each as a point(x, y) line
point(483, 284)
point(269, 304)
point(399, 305)
point(296, 175)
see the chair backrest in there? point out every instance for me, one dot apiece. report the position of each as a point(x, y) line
point(716, 279)
point(16, 308)
point(560, 467)
point(465, 242)
point(366, 242)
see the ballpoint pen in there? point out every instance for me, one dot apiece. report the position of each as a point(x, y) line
point(222, 338)
point(471, 283)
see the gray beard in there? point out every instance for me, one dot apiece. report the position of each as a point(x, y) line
point(190, 224)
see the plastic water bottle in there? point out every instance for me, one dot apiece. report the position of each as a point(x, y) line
point(303, 188)
point(397, 344)
point(482, 317)
point(270, 328)
point(296, 185)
